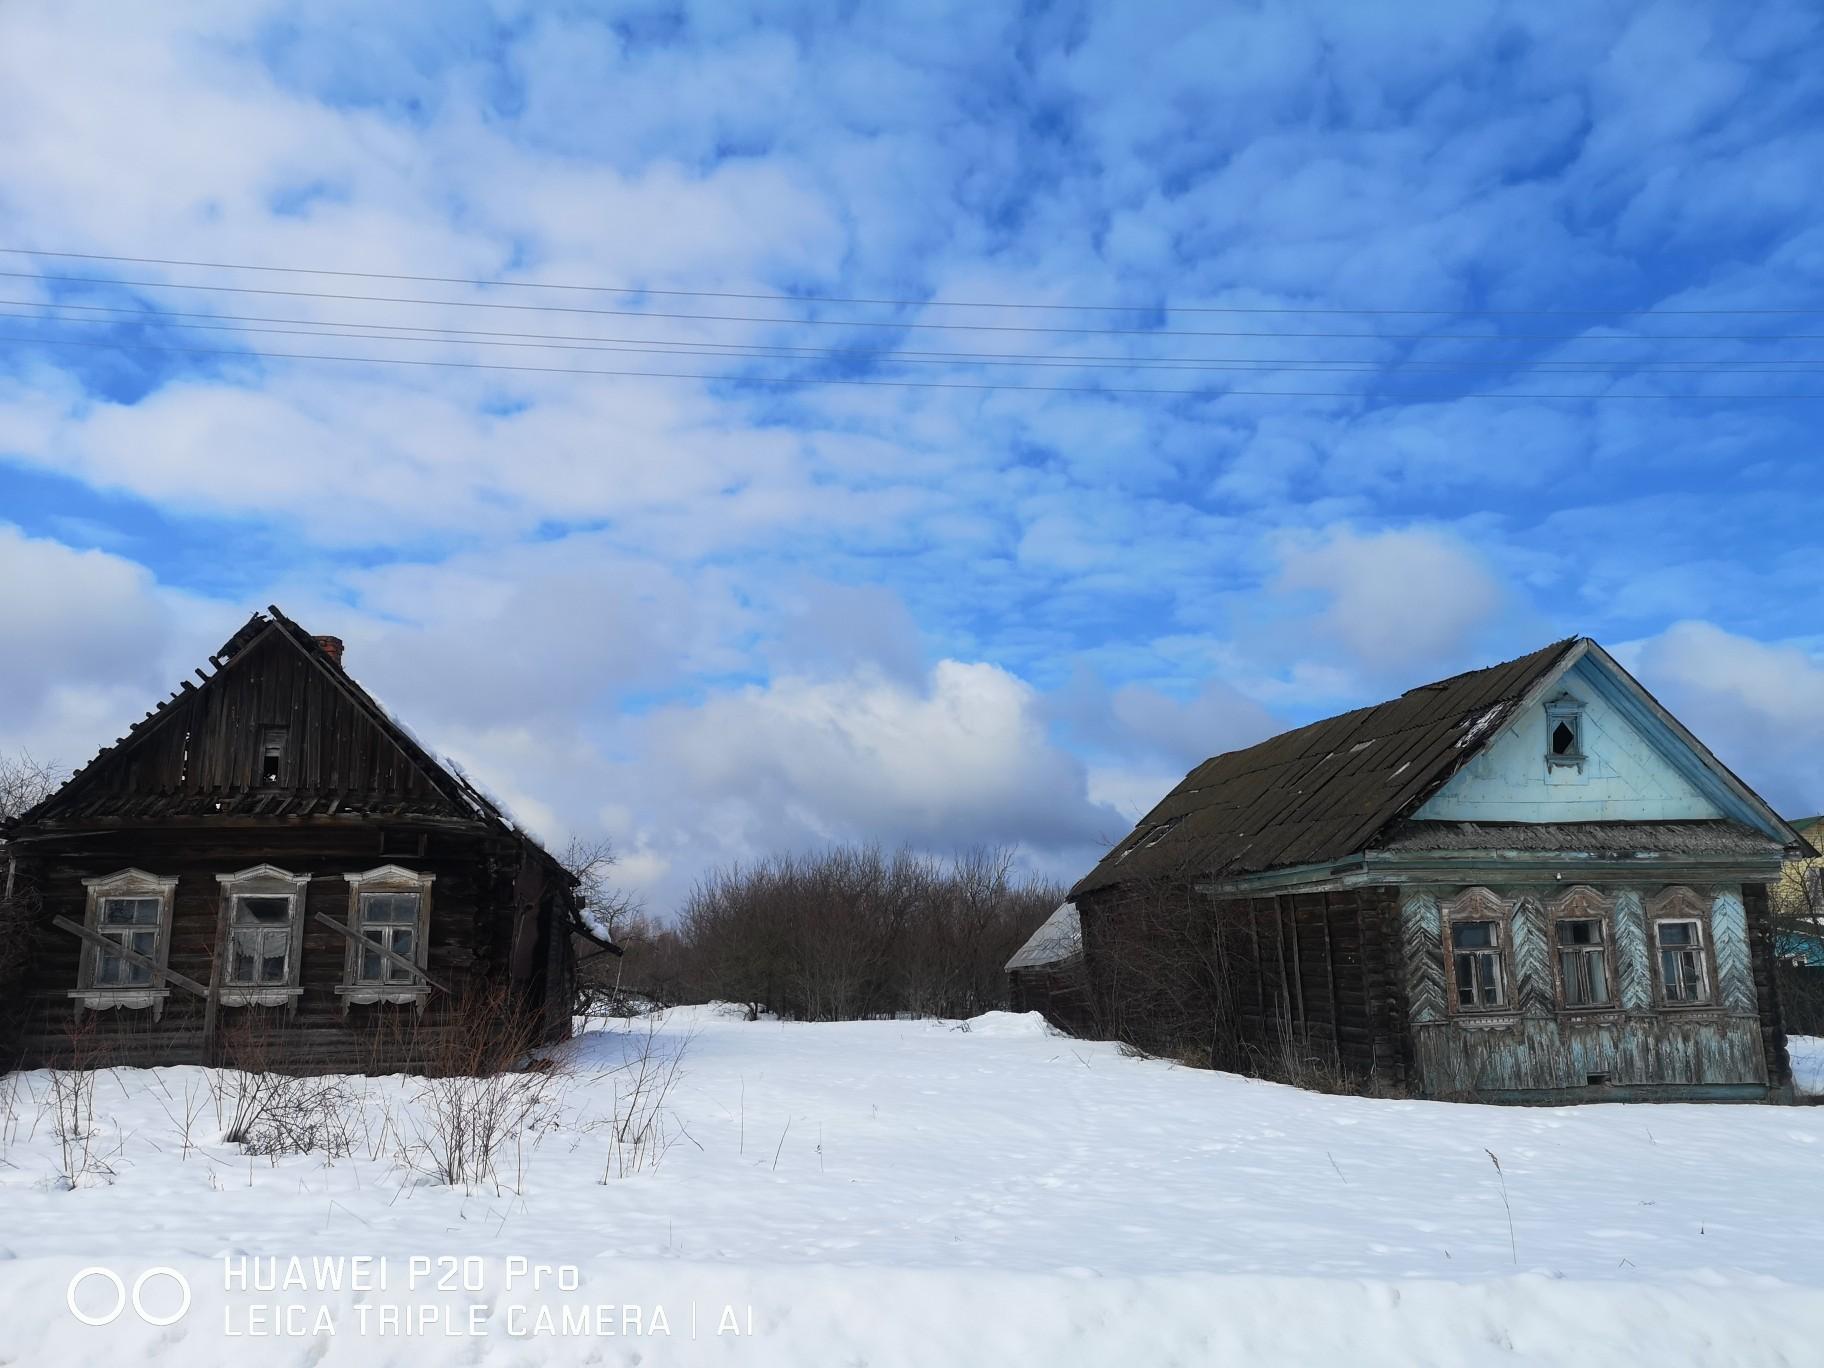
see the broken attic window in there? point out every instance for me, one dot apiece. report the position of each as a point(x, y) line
point(1564, 731)
point(272, 755)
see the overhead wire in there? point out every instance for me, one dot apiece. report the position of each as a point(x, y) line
point(928, 302)
point(724, 378)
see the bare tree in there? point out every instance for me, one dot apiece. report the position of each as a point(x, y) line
point(855, 932)
point(605, 907)
point(24, 783)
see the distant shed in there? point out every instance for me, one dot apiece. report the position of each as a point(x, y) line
point(1047, 975)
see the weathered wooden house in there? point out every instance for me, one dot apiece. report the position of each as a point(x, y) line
point(1525, 883)
point(270, 857)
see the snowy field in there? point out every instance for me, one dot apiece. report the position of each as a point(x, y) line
point(918, 1193)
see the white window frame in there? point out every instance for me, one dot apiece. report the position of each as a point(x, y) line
point(1698, 949)
point(354, 990)
point(125, 883)
point(262, 881)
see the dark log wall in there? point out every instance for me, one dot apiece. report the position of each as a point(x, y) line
point(1058, 992)
point(1755, 904)
point(470, 927)
point(1297, 985)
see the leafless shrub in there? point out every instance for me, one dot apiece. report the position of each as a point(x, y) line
point(70, 1100)
point(483, 1093)
point(854, 932)
point(305, 1116)
point(643, 1127)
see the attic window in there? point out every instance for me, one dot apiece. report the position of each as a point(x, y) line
point(272, 755)
point(1564, 732)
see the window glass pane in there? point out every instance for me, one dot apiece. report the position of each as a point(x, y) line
point(1580, 932)
point(389, 907)
point(1467, 935)
point(129, 911)
point(108, 967)
point(1678, 933)
point(1599, 979)
point(243, 950)
point(262, 909)
point(272, 959)
point(370, 966)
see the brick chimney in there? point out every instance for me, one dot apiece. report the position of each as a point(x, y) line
point(331, 646)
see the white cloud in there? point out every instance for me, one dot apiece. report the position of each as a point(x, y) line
point(1394, 599)
point(88, 642)
point(1758, 705)
point(961, 758)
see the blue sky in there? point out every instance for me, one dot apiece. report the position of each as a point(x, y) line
point(714, 618)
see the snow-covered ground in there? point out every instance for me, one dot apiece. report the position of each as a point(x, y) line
point(922, 1193)
point(1807, 1063)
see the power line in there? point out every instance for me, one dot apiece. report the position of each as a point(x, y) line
point(782, 298)
point(642, 347)
point(311, 327)
point(888, 325)
point(833, 380)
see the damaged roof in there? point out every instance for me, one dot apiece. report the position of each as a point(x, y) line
point(1351, 783)
point(1325, 790)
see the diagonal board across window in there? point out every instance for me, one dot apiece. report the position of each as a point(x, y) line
point(129, 913)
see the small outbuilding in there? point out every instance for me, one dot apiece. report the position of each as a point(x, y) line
point(1045, 975)
point(1525, 883)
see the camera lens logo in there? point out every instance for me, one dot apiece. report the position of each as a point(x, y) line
point(121, 1296)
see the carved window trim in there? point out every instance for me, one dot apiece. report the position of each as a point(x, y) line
point(125, 883)
point(262, 881)
point(1680, 903)
point(356, 990)
point(1479, 904)
point(1583, 903)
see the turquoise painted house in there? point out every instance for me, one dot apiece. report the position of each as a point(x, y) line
point(1525, 883)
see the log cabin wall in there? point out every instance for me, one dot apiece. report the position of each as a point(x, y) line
point(469, 925)
point(467, 945)
point(1535, 1044)
point(1292, 985)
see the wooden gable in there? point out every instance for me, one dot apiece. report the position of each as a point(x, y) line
point(279, 729)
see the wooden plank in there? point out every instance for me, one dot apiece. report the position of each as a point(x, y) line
point(379, 949)
point(159, 971)
point(212, 1002)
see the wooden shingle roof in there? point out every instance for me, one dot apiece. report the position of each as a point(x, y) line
point(1326, 790)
